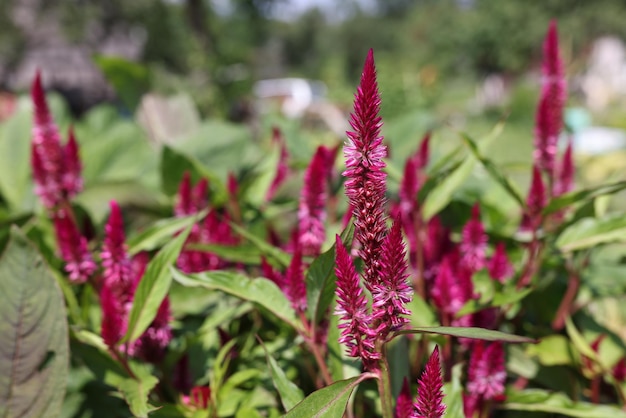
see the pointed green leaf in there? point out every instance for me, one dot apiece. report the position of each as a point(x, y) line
point(508, 296)
point(290, 394)
point(571, 198)
point(159, 233)
point(538, 400)
point(261, 291)
point(135, 393)
point(33, 334)
point(267, 249)
point(328, 402)
point(320, 279)
point(153, 287)
point(589, 232)
point(469, 332)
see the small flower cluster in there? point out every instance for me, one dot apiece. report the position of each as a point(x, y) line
point(57, 176)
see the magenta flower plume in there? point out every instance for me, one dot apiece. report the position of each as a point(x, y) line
point(486, 370)
point(114, 317)
point(452, 287)
point(393, 292)
point(404, 403)
point(535, 201)
point(118, 274)
point(311, 211)
point(429, 402)
point(73, 246)
point(564, 181)
point(152, 344)
point(56, 169)
point(352, 309)
point(474, 242)
point(366, 180)
point(619, 370)
point(294, 287)
point(500, 268)
point(549, 119)
point(184, 200)
point(283, 164)
point(270, 273)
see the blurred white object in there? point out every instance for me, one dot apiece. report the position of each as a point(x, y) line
point(597, 140)
point(605, 79)
point(294, 95)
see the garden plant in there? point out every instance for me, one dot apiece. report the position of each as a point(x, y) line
point(243, 279)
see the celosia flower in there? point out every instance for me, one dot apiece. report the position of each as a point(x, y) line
point(535, 202)
point(56, 169)
point(619, 370)
point(73, 246)
point(268, 272)
point(474, 242)
point(114, 317)
point(392, 293)
point(352, 309)
point(486, 370)
point(311, 210)
point(429, 402)
point(549, 119)
point(404, 403)
point(283, 168)
point(452, 288)
point(118, 275)
point(155, 339)
point(366, 180)
point(500, 268)
point(564, 180)
point(294, 287)
point(199, 398)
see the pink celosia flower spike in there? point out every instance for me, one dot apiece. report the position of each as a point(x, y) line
point(72, 178)
point(500, 268)
point(564, 180)
point(295, 289)
point(114, 317)
point(535, 201)
point(352, 309)
point(73, 246)
point(404, 403)
point(118, 274)
point(486, 370)
point(474, 243)
point(184, 200)
point(393, 292)
point(283, 168)
point(429, 402)
point(366, 180)
point(549, 119)
point(311, 211)
point(47, 155)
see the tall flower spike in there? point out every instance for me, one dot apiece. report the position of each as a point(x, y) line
point(114, 317)
point(429, 402)
point(366, 180)
point(549, 119)
point(118, 274)
point(73, 246)
point(564, 180)
point(500, 268)
point(311, 211)
point(184, 200)
point(474, 243)
point(487, 373)
point(283, 168)
point(535, 201)
point(392, 293)
point(294, 282)
point(404, 403)
point(352, 309)
point(72, 178)
point(47, 155)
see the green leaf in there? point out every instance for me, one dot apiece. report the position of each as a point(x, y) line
point(469, 332)
point(261, 291)
point(537, 400)
point(569, 199)
point(328, 402)
point(159, 233)
point(33, 333)
point(290, 394)
point(453, 394)
point(589, 232)
point(136, 391)
point(494, 171)
point(153, 287)
point(267, 249)
point(422, 314)
point(553, 350)
point(506, 297)
point(320, 279)
point(129, 79)
point(264, 174)
point(246, 254)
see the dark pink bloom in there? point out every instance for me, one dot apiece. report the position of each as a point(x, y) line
point(535, 202)
point(352, 309)
point(153, 342)
point(619, 370)
point(311, 210)
point(500, 268)
point(118, 274)
point(73, 246)
point(114, 317)
point(429, 402)
point(56, 169)
point(269, 273)
point(404, 403)
point(184, 201)
point(549, 119)
point(452, 287)
point(366, 181)
point(474, 242)
point(283, 168)
point(392, 293)
point(564, 180)
point(295, 289)
point(199, 398)
point(486, 370)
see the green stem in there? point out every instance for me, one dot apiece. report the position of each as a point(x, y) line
point(384, 386)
